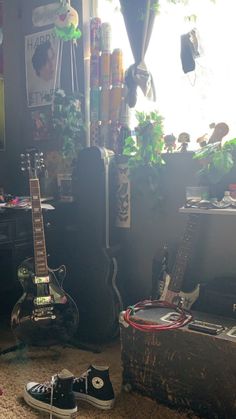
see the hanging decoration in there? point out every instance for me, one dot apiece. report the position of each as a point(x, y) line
point(66, 22)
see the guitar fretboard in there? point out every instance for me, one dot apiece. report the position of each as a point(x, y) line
point(183, 254)
point(40, 255)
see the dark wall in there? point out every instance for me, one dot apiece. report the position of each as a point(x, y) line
point(17, 24)
point(14, 94)
point(152, 228)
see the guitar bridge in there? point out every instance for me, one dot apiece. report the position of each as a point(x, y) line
point(43, 314)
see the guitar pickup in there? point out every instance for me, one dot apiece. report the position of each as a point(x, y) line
point(43, 301)
point(41, 279)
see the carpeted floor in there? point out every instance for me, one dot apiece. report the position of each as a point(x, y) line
point(19, 367)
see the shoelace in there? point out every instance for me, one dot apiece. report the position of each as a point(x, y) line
point(53, 380)
point(83, 377)
point(48, 385)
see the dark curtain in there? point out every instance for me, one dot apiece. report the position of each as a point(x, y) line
point(139, 16)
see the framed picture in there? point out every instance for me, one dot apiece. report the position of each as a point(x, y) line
point(41, 67)
point(64, 182)
point(42, 124)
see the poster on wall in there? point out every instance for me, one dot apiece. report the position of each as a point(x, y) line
point(41, 57)
point(2, 116)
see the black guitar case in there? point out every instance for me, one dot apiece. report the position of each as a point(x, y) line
point(97, 294)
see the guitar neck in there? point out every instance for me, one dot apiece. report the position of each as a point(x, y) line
point(40, 254)
point(183, 254)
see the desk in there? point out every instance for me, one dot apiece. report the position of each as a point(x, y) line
point(212, 211)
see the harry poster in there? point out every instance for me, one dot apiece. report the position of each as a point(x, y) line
point(41, 61)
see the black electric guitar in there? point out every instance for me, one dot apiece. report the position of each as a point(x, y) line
point(45, 314)
point(172, 284)
point(99, 298)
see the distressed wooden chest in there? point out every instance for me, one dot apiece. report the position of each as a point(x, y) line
point(182, 368)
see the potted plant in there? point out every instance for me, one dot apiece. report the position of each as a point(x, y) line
point(216, 160)
point(144, 152)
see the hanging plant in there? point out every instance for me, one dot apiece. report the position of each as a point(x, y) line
point(68, 123)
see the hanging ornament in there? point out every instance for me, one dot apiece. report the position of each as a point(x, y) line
point(66, 22)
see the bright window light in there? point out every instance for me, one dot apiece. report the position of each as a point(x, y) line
point(188, 102)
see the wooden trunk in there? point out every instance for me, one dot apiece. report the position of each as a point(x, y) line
point(182, 368)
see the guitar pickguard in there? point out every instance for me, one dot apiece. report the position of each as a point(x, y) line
point(189, 298)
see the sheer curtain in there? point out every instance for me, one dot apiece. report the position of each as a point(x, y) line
point(188, 102)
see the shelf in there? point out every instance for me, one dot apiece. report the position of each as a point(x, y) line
point(211, 211)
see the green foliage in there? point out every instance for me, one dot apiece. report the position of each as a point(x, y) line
point(68, 123)
point(144, 153)
point(217, 160)
point(146, 149)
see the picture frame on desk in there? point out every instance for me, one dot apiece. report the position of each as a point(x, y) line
point(64, 183)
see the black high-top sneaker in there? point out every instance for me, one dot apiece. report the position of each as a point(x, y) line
point(94, 386)
point(55, 397)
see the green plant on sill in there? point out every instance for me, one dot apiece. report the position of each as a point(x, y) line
point(217, 160)
point(68, 123)
point(144, 153)
point(147, 149)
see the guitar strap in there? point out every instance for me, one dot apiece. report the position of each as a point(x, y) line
point(106, 156)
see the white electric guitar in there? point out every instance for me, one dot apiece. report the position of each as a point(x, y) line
point(172, 284)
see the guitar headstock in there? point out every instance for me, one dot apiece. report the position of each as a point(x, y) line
point(33, 162)
point(220, 131)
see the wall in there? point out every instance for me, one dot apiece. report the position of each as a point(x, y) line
point(214, 247)
point(14, 95)
point(17, 24)
point(150, 229)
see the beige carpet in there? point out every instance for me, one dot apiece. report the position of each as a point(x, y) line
point(18, 368)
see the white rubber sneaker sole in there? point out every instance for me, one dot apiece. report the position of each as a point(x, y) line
point(44, 407)
point(101, 404)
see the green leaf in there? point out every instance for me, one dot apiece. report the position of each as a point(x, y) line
point(223, 161)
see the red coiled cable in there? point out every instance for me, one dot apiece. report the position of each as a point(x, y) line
point(183, 318)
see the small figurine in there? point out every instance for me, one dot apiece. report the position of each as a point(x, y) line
point(66, 22)
point(220, 130)
point(184, 139)
point(202, 141)
point(170, 145)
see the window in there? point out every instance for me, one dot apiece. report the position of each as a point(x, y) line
point(188, 102)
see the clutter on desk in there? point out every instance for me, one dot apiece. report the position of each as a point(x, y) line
point(198, 197)
point(20, 202)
